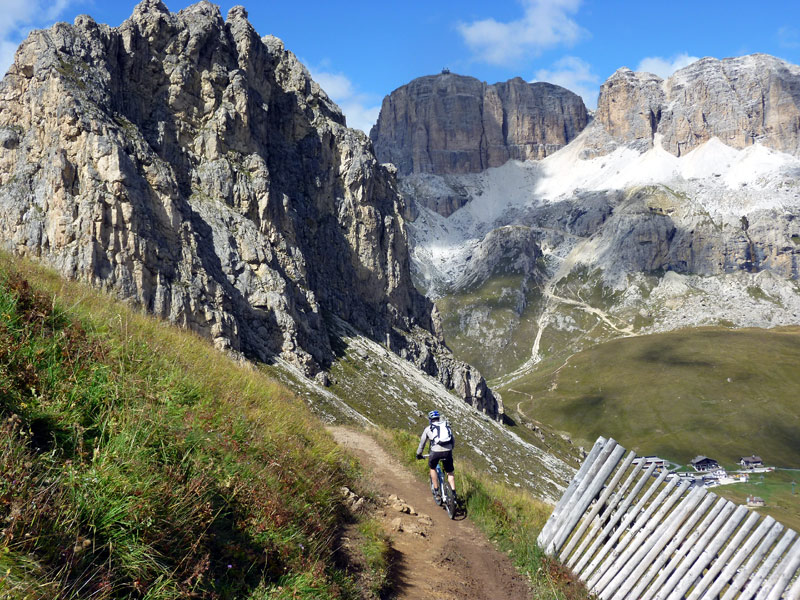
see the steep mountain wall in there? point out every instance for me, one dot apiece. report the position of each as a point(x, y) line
point(740, 100)
point(196, 169)
point(450, 123)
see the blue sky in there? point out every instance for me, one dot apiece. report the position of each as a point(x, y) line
point(362, 50)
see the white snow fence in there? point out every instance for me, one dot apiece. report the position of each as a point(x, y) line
point(629, 532)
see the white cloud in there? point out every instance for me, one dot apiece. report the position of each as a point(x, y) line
point(789, 37)
point(360, 109)
point(16, 13)
point(544, 24)
point(18, 17)
point(359, 115)
point(7, 50)
point(664, 67)
point(54, 9)
point(574, 74)
point(335, 85)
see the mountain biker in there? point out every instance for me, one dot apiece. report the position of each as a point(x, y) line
point(442, 441)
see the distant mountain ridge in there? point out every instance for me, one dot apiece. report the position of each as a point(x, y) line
point(450, 124)
point(742, 101)
point(678, 205)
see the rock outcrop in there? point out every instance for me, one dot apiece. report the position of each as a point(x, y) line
point(195, 168)
point(740, 100)
point(654, 230)
point(630, 107)
point(450, 123)
point(508, 249)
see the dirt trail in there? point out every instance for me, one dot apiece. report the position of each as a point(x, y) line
point(437, 559)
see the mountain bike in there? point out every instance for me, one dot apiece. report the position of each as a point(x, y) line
point(444, 496)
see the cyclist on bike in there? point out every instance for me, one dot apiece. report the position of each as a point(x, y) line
point(441, 439)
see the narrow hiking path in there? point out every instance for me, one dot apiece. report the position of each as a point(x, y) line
point(548, 292)
point(437, 559)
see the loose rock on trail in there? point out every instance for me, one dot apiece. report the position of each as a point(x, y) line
point(436, 558)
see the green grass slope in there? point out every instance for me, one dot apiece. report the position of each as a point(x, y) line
point(720, 393)
point(138, 462)
point(782, 499)
point(493, 325)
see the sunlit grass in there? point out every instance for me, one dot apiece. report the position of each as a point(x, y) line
point(719, 393)
point(775, 488)
point(138, 461)
point(713, 392)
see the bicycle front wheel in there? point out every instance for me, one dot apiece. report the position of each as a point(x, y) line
point(449, 500)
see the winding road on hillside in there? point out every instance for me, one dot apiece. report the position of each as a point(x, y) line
point(436, 558)
point(552, 301)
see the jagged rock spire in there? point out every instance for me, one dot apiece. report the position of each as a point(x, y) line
point(198, 171)
point(740, 100)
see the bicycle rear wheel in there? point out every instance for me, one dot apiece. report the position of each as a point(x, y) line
point(437, 494)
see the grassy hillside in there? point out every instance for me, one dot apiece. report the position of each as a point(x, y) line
point(716, 392)
point(138, 462)
point(491, 326)
point(370, 385)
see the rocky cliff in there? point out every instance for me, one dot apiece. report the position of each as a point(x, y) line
point(741, 101)
point(193, 167)
point(450, 123)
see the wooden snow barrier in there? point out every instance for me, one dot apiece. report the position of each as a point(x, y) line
point(629, 532)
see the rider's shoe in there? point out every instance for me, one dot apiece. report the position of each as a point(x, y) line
point(437, 497)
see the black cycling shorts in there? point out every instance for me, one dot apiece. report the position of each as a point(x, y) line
point(446, 457)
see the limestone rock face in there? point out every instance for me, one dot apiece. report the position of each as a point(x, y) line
point(508, 249)
point(641, 236)
point(184, 163)
point(740, 100)
point(630, 107)
point(448, 123)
